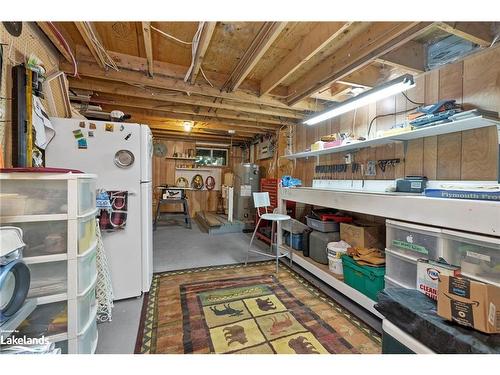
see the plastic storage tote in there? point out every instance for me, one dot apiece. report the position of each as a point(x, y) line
point(322, 226)
point(44, 237)
point(87, 270)
point(48, 278)
point(28, 197)
point(293, 226)
point(367, 280)
point(390, 283)
point(401, 268)
point(86, 195)
point(478, 256)
point(414, 240)
point(86, 233)
point(318, 242)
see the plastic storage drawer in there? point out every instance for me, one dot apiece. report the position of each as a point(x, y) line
point(478, 256)
point(87, 341)
point(44, 237)
point(86, 233)
point(48, 278)
point(322, 226)
point(390, 283)
point(33, 197)
point(401, 268)
point(365, 279)
point(414, 240)
point(86, 305)
point(87, 270)
point(86, 195)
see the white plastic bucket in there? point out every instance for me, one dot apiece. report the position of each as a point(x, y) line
point(335, 265)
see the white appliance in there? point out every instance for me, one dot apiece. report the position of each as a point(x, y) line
point(129, 251)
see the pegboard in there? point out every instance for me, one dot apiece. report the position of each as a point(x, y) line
point(16, 51)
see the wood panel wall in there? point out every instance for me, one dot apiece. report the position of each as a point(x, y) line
point(164, 173)
point(470, 155)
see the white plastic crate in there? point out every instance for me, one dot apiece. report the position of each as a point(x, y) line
point(48, 279)
point(24, 197)
point(44, 237)
point(478, 256)
point(401, 268)
point(87, 270)
point(86, 195)
point(414, 240)
point(86, 233)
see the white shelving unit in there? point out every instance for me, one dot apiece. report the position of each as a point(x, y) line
point(58, 222)
point(470, 123)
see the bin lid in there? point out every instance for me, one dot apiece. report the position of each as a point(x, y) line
point(340, 246)
point(11, 239)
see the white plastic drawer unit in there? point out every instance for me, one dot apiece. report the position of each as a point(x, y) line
point(87, 270)
point(414, 240)
point(48, 279)
point(44, 237)
point(86, 195)
point(86, 308)
point(87, 341)
point(478, 256)
point(401, 268)
point(86, 233)
point(28, 197)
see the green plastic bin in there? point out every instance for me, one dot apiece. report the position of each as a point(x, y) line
point(368, 280)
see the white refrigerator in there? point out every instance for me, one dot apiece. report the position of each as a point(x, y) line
point(130, 250)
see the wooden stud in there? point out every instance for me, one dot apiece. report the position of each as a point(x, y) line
point(148, 46)
point(49, 32)
point(207, 31)
point(380, 39)
point(410, 57)
point(307, 47)
point(261, 43)
point(86, 29)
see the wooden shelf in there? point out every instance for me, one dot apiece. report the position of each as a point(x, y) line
point(450, 127)
point(322, 272)
point(178, 158)
point(194, 169)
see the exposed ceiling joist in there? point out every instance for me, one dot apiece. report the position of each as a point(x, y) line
point(410, 57)
point(148, 46)
point(380, 39)
point(128, 108)
point(49, 31)
point(91, 38)
point(194, 136)
point(308, 46)
point(113, 87)
point(202, 43)
point(368, 77)
point(197, 129)
point(260, 44)
point(86, 69)
point(476, 32)
point(258, 122)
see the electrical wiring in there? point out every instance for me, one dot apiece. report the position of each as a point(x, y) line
point(204, 76)
point(387, 114)
point(110, 62)
point(170, 36)
point(411, 101)
point(65, 44)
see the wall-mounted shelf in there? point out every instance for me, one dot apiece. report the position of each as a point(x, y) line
point(178, 158)
point(450, 127)
point(194, 169)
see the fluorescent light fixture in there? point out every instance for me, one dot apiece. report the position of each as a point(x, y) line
point(187, 126)
point(385, 90)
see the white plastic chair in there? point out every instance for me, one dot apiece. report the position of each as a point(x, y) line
point(261, 200)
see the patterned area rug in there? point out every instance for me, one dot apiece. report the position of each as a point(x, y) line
point(247, 310)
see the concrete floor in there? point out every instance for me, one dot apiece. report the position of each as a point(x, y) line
point(174, 248)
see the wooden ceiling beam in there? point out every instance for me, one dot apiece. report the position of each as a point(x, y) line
point(127, 108)
point(182, 109)
point(86, 69)
point(368, 77)
point(307, 47)
point(475, 32)
point(91, 37)
point(159, 134)
point(260, 44)
point(197, 129)
point(144, 91)
point(379, 39)
point(48, 30)
point(203, 42)
point(148, 46)
point(410, 57)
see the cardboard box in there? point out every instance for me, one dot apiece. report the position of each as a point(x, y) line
point(428, 274)
point(469, 303)
point(361, 234)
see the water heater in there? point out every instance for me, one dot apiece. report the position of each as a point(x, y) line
point(246, 182)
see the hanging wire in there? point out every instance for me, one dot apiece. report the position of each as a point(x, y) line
point(170, 36)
